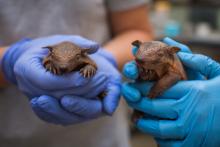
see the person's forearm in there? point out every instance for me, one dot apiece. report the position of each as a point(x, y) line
point(127, 26)
point(3, 81)
point(120, 46)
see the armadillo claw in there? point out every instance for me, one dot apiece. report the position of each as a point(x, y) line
point(49, 67)
point(88, 71)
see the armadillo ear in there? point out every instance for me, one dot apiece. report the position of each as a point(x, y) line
point(89, 50)
point(48, 47)
point(173, 49)
point(136, 43)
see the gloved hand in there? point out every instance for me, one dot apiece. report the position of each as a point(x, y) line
point(63, 99)
point(187, 114)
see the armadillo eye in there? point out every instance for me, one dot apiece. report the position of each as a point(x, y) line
point(78, 57)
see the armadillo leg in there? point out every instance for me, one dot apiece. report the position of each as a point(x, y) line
point(163, 84)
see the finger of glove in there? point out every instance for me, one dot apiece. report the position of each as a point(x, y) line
point(41, 114)
point(175, 92)
point(162, 108)
point(94, 87)
point(194, 75)
point(112, 98)
point(52, 107)
point(203, 64)
point(134, 50)
point(130, 70)
point(130, 93)
point(163, 129)
point(82, 106)
point(172, 42)
point(133, 92)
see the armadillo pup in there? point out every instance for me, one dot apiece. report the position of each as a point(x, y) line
point(156, 61)
point(67, 57)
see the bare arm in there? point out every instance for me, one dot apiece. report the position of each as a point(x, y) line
point(3, 82)
point(128, 26)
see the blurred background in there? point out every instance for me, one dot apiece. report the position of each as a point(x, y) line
point(193, 22)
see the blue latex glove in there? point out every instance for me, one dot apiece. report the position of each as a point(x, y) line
point(187, 114)
point(66, 99)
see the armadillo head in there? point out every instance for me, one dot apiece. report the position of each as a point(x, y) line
point(154, 54)
point(67, 57)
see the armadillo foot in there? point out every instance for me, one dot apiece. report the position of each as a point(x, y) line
point(88, 71)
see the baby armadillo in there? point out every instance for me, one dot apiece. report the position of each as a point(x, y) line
point(156, 61)
point(66, 57)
